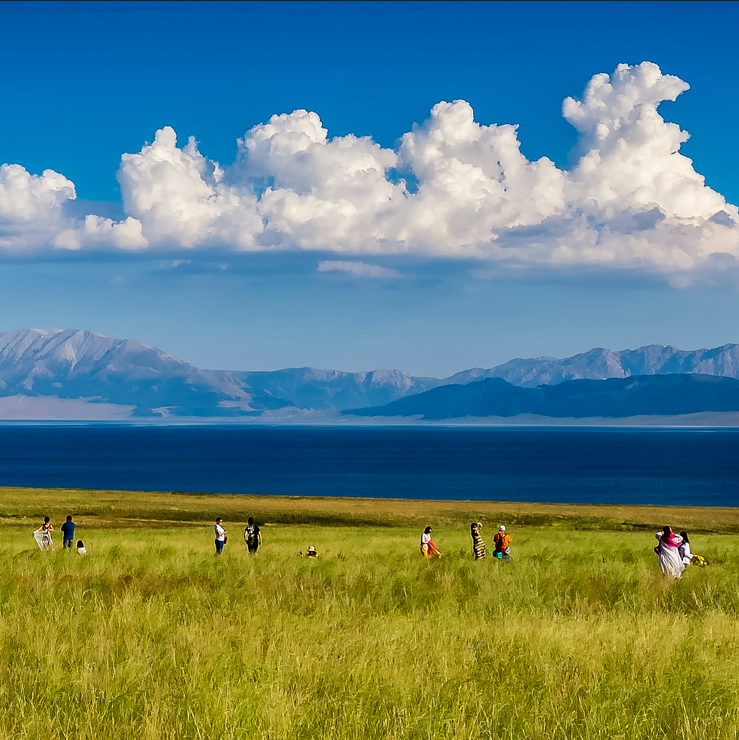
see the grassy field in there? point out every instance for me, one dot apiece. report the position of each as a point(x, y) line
point(152, 636)
point(102, 509)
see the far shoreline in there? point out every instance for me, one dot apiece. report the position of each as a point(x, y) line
point(320, 420)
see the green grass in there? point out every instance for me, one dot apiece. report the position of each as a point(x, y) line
point(152, 636)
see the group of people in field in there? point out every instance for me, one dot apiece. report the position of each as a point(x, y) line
point(45, 541)
point(252, 538)
point(672, 549)
point(501, 541)
point(674, 553)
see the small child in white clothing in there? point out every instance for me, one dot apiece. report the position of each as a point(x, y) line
point(684, 549)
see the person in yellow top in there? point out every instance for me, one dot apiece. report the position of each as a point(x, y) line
point(502, 542)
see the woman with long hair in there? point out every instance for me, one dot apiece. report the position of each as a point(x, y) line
point(688, 556)
point(478, 544)
point(428, 548)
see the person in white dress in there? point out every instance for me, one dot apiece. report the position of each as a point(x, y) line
point(669, 553)
point(42, 535)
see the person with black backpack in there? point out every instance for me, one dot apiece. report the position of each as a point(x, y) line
point(252, 536)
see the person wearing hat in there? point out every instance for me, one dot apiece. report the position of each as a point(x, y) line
point(502, 542)
point(312, 553)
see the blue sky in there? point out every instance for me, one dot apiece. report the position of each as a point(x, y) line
point(430, 246)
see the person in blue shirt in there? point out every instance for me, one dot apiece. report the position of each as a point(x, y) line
point(68, 531)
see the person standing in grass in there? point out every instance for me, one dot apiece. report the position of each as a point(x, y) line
point(221, 536)
point(502, 542)
point(478, 544)
point(252, 536)
point(428, 548)
point(684, 550)
point(668, 549)
point(47, 543)
point(68, 532)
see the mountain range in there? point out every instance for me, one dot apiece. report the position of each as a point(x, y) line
point(77, 374)
point(663, 395)
point(52, 373)
point(602, 364)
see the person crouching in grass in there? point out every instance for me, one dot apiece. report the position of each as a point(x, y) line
point(221, 536)
point(502, 542)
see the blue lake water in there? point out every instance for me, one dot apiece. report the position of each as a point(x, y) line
point(674, 467)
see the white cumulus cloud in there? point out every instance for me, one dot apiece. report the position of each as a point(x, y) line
point(631, 156)
point(473, 183)
point(32, 216)
point(451, 188)
point(181, 199)
point(319, 193)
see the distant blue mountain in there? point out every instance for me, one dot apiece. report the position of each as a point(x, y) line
point(81, 365)
point(53, 373)
point(327, 390)
point(600, 364)
point(668, 395)
point(42, 372)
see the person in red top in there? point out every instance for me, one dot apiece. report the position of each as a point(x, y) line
point(502, 542)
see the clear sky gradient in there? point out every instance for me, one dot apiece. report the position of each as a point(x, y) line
point(84, 83)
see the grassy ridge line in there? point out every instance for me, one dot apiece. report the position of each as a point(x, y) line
point(22, 506)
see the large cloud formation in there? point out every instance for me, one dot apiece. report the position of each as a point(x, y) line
point(632, 199)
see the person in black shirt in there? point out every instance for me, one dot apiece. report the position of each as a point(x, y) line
point(252, 536)
point(68, 531)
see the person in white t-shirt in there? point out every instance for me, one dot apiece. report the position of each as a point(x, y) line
point(428, 549)
point(221, 536)
point(684, 549)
